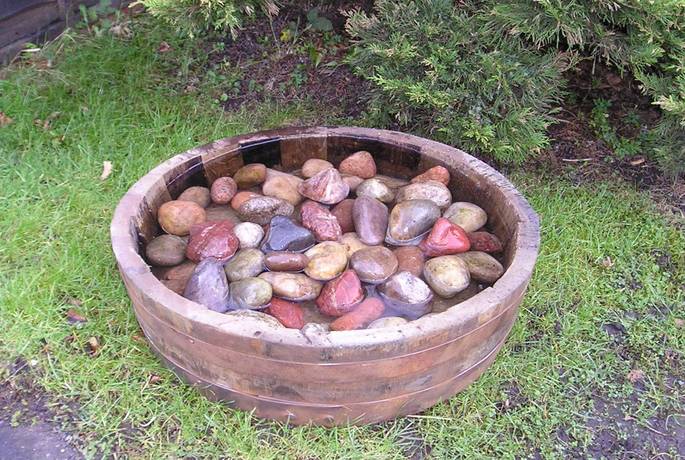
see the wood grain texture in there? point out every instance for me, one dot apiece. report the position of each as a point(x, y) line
point(362, 376)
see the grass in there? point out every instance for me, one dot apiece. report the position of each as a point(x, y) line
point(601, 263)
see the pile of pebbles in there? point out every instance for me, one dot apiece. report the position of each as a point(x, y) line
point(342, 248)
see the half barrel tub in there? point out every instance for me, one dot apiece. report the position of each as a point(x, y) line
point(334, 378)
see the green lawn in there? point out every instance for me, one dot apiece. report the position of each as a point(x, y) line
point(607, 296)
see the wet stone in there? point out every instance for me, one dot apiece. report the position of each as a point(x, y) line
point(249, 293)
point(392, 182)
point(289, 314)
point(482, 266)
point(485, 242)
point(241, 197)
point(447, 275)
point(223, 190)
point(250, 175)
point(176, 217)
point(370, 218)
point(359, 318)
point(246, 263)
point(352, 243)
point(326, 187)
point(374, 264)
point(326, 260)
point(352, 181)
point(441, 304)
point(340, 295)
point(249, 234)
point(285, 235)
point(166, 250)
point(198, 195)
point(430, 190)
point(436, 173)
point(292, 286)
point(257, 317)
point(409, 259)
point(320, 221)
point(375, 188)
point(313, 166)
point(406, 295)
point(466, 215)
point(445, 238)
point(212, 239)
point(285, 261)
point(216, 212)
point(343, 213)
point(410, 220)
point(283, 186)
point(388, 321)
point(208, 286)
point(260, 210)
point(360, 164)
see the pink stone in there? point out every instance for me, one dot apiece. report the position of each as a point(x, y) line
point(343, 212)
point(326, 187)
point(359, 164)
point(319, 220)
point(436, 173)
point(223, 190)
point(340, 295)
point(363, 314)
point(212, 239)
point(290, 314)
point(445, 238)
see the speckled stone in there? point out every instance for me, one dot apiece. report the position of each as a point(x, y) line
point(223, 190)
point(260, 210)
point(326, 187)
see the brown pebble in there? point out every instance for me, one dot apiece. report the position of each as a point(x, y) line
point(250, 175)
point(410, 259)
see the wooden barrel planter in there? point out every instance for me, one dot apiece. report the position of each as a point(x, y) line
point(362, 376)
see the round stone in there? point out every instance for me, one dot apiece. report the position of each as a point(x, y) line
point(314, 166)
point(249, 234)
point(260, 210)
point(360, 164)
point(320, 221)
point(445, 238)
point(377, 189)
point(212, 239)
point(340, 295)
point(241, 197)
point(436, 173)
point(285, 235)
point(285, 261)
point(482, 267)
point(388, 321)
point(199, 195)
point(326, 260)
point(216, 212)
point(208, 285)
point(485, 242)
point(250, 175)
point(466, 215)
point(292, 286)
point(370, 218)
point(447, 275)
point(166, 251)
point(409, 259)
point(352, 181)
point(176, 217)
point(392, 182)
point(343, 213)
point(326, 187)
point(429, 190)
point(223, 190)
point(406, 295)
point(352, 243)
point(246, 263)
point(283, 186)
point(410, 220)
point(287, 313)
point(374, 265)
point(359, 318)
point(250, 294)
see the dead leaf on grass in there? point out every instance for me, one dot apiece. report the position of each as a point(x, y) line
point(93, 346)
point(106, 170)
point(4, 119)
point(607, 262)
point(74, 317)
point(637, 161)
point(635, 375)
point(164, 47)
point(74, 301)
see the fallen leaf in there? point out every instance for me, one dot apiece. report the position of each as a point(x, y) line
point(106, 170)
point(154, 378)
point(679, 322)
point(637, 161)
point(74, 301)
point(74, 317)
point(4, 119)
point(635, 375)
point(164, 47)
point(607, 262)
point(93, 346)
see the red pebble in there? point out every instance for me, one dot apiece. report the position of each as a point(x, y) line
point(445, 238)
point(289, 314)
point(241, 197)
point(223, 190)
point(485, 242)
point(319, 220)
point(359, 164)
point(212, 239)
point(340, 295)
point(343, 212)
point(362, 315)
point(436, 173)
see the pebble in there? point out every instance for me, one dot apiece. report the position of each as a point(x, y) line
point(340, 295)
point(482, 266)
point(485, 242)
point(436, 173)
point(388, 321)
point(249, 293)
point(326, 187)
point(262, 319)
point(440, 305)
point(166, 251)
point(447, 275)
point(466, 215)
point(223, 190)
point(326, 260)
point(359, 318)
point(360, 164)
point(260, 210)
point(445, 238)
point(212, 239)
point(285, 235)
point(292, 286)
point(352, 243)
point(320, 221)
point(249, 234)
point(246, 263)
point(287, 313)
point(409, 259)
point(352, 181)
point(177, 286)
point(376, 189)
point(410, 220)
point(208, 286)
point(179, 272)
point(197, 194)
point(314, 166)
point(285, 261)
point(250, 175)
point(222, 212)
point(370, 218)
point(241, 197)
point(392, 182)
point(343, 213)
point(283, 186)
point(176, 217)
point(374, 264)
point(406, 295)
point(430, 190)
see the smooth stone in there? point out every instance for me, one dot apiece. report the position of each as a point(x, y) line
point(440, 304)
point(212, 239)
point(409, 259)
point(283, 186)
point(289, 314)
point(374, 265)
point(340, 295)
point(352, 181)
point(466, 215)
point(388, 321)
point(258, 317)
point(312, 314)
point(196, 194)
point(285, 235)
point(208, 285)
point(315, 331)
point(370, 218)
point(326, 187)
point(247, 263)
point(410, 220)
point(326, 260)
point(177, 286)
point(249, 234)
point(392, 182)
point(375, 188)
point(223, 190)
point(360, 164)
point(241, 197)
point(260, 210)
point(314, 166)
point(352, 243)
point(320, 221)
point(436, 173)
point(216, 212)
point(285, 261)
point(445, 238)
point(176, 217)
point(447, 275)
point(166, 250)
point(406, 295)
point(249, 293)
point(363, 314)
point(430, 190)
point(482, 266)
point(485, 242)
point(182, 271)
point(343, 213)
point(292, 286)
point(250, 175)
